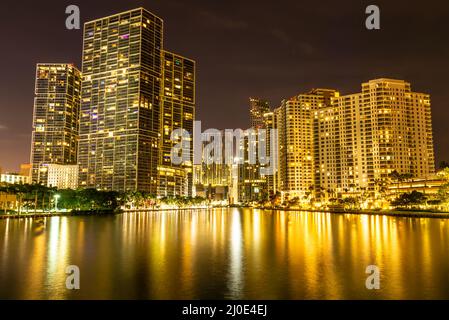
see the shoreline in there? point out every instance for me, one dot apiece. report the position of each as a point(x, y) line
point(390, 213)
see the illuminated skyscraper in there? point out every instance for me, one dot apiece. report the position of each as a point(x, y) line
point(296, 140)
point(257, 110)
point(334, 145)
point(270, 125)
point(178, 112)
point(385, 128)
point(252, 185)
point(56, 118)
point(134, 95)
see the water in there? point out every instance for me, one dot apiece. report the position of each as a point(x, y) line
point(229, 253)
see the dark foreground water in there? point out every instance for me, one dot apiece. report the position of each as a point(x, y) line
point(229, 253)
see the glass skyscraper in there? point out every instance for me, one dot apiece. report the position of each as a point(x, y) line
point(178, 111)
point(55, 118)
point(125, 106)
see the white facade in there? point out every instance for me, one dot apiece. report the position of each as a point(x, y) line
point(15, 179)
point(63, 176)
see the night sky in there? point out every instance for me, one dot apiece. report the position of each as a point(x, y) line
point(243, 48)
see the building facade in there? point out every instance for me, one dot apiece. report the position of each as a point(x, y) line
point(134, 93)
point(120, 108)
point(272, 179)
point(178, 112)
point(25, 169)
point(296, 141)
point(63, 176)
point(251, 183)
point(14, 178)
point(340, 145)
point(55, 118)
point(257, 109)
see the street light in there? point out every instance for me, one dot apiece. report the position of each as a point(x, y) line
point(56, 196)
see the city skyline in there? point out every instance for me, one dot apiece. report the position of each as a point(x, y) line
point(230, 151)
point(273, 61)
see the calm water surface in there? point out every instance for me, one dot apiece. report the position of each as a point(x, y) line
point(229, 253)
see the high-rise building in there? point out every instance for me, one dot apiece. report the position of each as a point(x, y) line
point(178, 112)
point(257, 109)
point(212, 179)
point(296, 140)
point(55, 119)
point(272, 178)
point(334, 145)
point(132, 91)
point(251, 183)
point(120, 108)
point(385, 128)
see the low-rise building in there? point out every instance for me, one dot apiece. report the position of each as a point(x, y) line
point(426, 186)
point(62, 176)
point(14, 178)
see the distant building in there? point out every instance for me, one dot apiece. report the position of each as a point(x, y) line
point(63, 176)
point(25, 169)
point(213, 180)
point(14, 178)
point(270, 120)
point(55, 119)
point(257, 109)
point(252, 185)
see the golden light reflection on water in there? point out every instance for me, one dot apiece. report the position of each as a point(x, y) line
point(226, 253)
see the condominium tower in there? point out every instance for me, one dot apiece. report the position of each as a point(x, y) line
point(257, 109)
point(124, 108)
point(333, 145)
point(296, 140)
point(55, 118)
point(178, 112)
